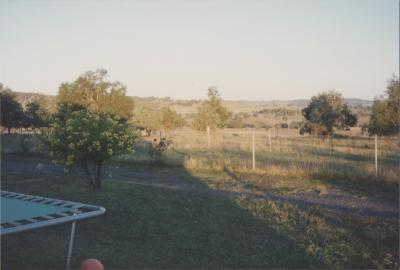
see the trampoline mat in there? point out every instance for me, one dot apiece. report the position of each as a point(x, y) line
point(15, 209)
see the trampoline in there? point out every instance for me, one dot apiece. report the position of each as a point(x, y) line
point(21, 212)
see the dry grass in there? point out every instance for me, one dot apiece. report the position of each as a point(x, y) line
point(296, 162)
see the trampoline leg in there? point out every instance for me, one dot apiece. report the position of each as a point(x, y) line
point(70, 246)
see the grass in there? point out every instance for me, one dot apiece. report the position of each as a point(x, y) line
point(295, 164)
point(148, 227)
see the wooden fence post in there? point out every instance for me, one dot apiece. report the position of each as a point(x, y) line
point(277, 135)
point(376, 155)
point(348, 142)
point(269, 138)
point(254, 151)
point(331, 144)
point(208, 137)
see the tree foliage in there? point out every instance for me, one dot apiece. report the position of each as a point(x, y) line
point(35, 115)
point(211, 112)
point(92, 91)
point(385, 115)
point(147, 118)
point(11, 111)
point(80, 137)
point(326, 112)
point(91, 124)
point(348, 118)
point(170, 119)
point(236, 121)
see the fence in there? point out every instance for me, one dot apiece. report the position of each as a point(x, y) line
point(352, 144)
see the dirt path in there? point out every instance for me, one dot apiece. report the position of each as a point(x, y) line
point(335, 199)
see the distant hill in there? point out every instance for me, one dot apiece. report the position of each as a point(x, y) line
point(236, 106)
point(25, 98)
point(190, 106)
point(254, 113)
point(358, 102)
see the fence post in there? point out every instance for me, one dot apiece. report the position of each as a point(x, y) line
point(208, 137)
point(254, 151)
point(330, 144)
point(269, 138)
point(277, 135)
point(348, 142)
point(376, 155)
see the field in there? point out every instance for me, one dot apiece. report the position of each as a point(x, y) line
point(304, 206)
point(291, 164)
point(214, 134)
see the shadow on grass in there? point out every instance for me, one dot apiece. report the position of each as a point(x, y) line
point(150, 227)
point(332, 170)
point(155, 227)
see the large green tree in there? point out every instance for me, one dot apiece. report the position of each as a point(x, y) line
point(326, 112)
point(91, 124)
point(385, 115)
point(78, 136)
point(11, 111)
point(93, 91)
point(211, 112)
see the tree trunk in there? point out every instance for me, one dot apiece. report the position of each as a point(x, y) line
point(348, 142)
point(87, 173)
point(98, 174)
point(148, 132)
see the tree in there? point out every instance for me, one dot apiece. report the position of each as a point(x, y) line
point(147, 118)
point(80, 137)
point(385, 115)
point(91, 90)
point(170, 119)
point(11, 111)
point(295, 125)
point(211, 112)
point(236, 121)
point(348, 119)
point(326, 112)
point(35, 115)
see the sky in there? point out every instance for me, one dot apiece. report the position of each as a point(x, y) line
point(250, 50)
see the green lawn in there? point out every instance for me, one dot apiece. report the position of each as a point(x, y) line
point(148, 227)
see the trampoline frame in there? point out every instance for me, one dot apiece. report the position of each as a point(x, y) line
point(76, 211)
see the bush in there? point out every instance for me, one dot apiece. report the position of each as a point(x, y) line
point(157, 149)
point(295, 125)
point(80, 137)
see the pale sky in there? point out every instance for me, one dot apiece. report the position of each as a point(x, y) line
point(252, 50)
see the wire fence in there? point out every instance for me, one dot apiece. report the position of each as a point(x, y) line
point(255, 144)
